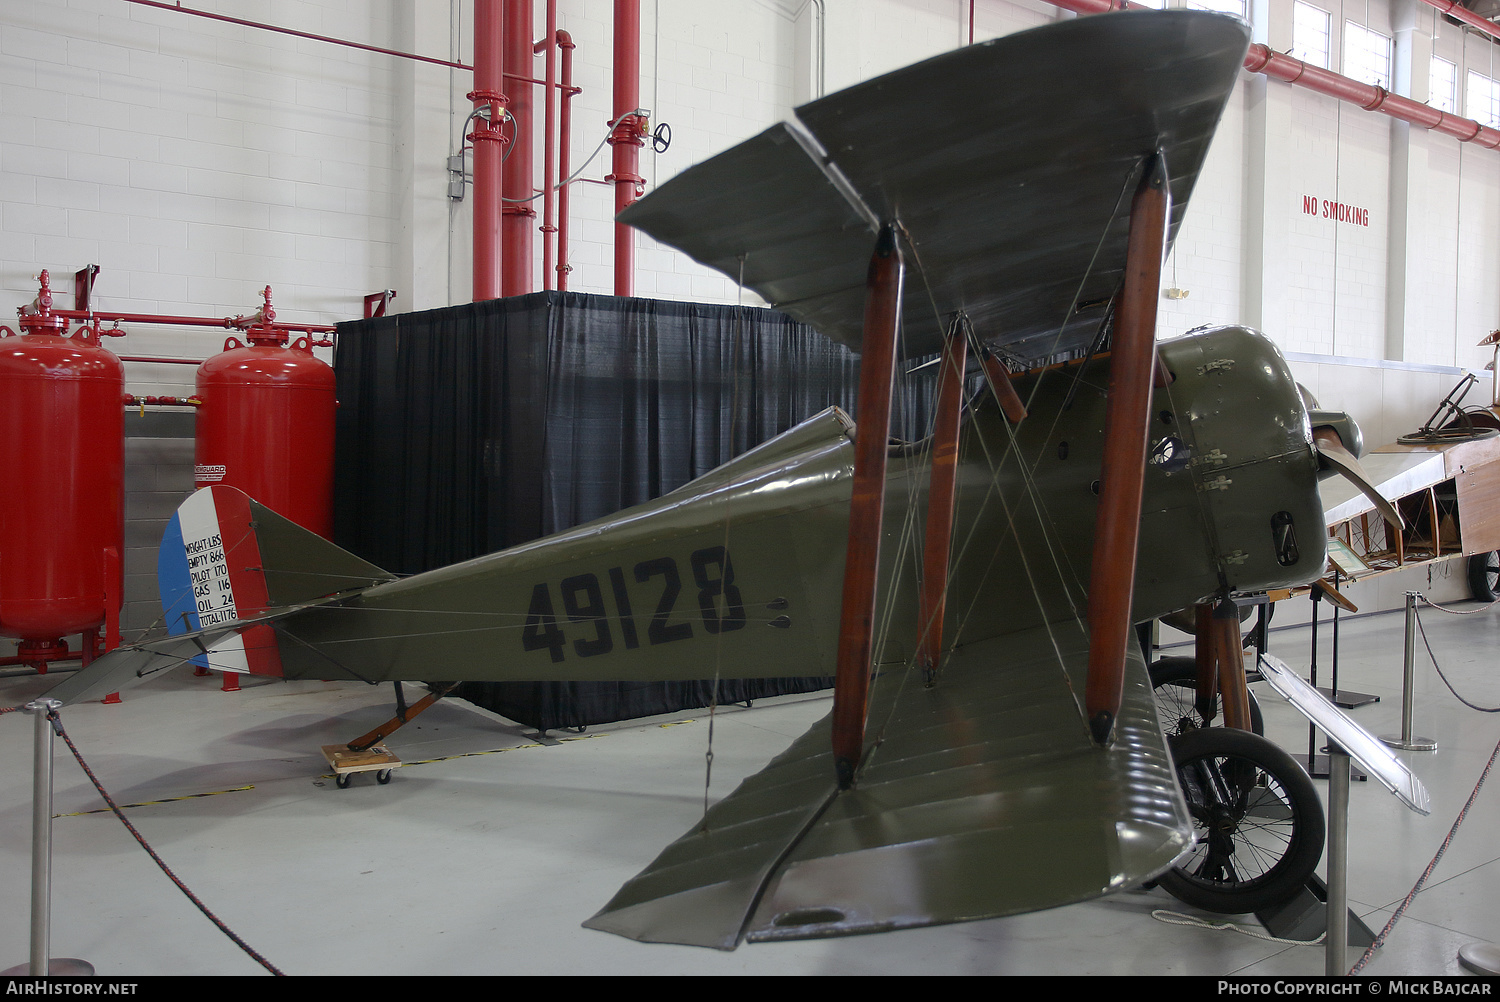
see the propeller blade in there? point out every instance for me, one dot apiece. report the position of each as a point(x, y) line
point(1331, 449)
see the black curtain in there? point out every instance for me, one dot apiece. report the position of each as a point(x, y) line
point(470, 429)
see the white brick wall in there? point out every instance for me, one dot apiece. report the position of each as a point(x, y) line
point(198, 161)
point(195, 162)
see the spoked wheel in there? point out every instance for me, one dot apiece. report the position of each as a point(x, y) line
point(1484, 576)
point(1174, 682)
point(1258, 818)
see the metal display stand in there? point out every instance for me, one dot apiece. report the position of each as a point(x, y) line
point(1347, 740)
point(1346, 699)
point(1406, 740)
point(41, 858)
point(1315, 764)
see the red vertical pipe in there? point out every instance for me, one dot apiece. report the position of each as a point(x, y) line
point(627, 137)
point(489, 146)
point(940, 496)
point(517, 210)
point(564, 156)
point(1126, 421)
point(877, 365)
point(549, 148)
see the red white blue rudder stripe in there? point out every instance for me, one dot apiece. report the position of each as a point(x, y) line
point(209, 572)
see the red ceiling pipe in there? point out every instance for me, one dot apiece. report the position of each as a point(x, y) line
point(1261, 59)
point(517, 212)
point(564, 156)
point(548, 45)
point(1368, 96)
point(489, 146)
point(1456, 10)
point(179, 9)
point(628, 137)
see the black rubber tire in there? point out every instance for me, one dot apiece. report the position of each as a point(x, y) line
point(1174, 682)
point(1259, 822)
point(1484, 576)
point(342, 780)
point(383, 776)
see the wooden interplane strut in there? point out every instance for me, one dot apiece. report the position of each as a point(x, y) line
point(1126, 422)
point(877, 369)
point(998, 378)
point(1206, 661)
point(1221, 665)
point(940, 496)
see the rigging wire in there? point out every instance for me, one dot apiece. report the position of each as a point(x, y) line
point(734, 413)
point(1050, 534)
point(1422, 880)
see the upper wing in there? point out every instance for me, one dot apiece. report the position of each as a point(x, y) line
point(1009, 164)
point(984, 797)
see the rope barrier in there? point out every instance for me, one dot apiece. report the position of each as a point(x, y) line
point(57, 726)
point(1416, 615)
point(1422, 880)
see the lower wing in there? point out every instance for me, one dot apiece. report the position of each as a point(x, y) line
point(979, 797)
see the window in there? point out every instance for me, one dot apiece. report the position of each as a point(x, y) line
point(1367, 55)
point(1483, 99)
point(1442, 85)
point(1153, 4)
point(1235, 7)
point(1310, 28)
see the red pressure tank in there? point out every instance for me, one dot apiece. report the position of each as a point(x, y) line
point(266, 423)
point(62, 447)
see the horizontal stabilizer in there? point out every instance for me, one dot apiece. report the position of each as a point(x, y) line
point(972, 783)
point(130, 665)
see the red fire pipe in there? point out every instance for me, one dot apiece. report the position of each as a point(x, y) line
point(1261, 59)
point(628, 136)
point(1455, 10)
point(230, 323)
point(517, 211)
point(489, 146)
point(564, 155)
point(550, 176)
point(1368, 96)
point(179, 9)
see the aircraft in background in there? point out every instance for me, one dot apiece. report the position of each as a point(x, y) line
point(994, 745)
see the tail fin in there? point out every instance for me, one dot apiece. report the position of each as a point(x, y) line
point(225, 557)
point(228, 568)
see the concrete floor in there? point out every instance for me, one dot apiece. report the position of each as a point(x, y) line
point(487, 849)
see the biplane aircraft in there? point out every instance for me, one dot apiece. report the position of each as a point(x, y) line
point(993, 746)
